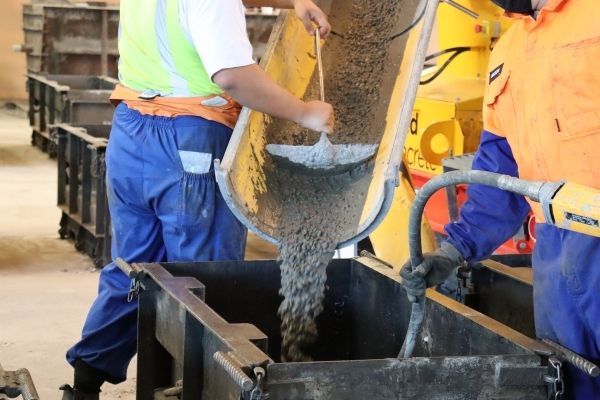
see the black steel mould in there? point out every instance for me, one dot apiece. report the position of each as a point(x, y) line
point(214, 326)
point(74, 99)
point(81, 194)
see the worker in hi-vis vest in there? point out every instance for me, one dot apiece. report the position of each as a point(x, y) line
point(541, 117)
point(185, 68)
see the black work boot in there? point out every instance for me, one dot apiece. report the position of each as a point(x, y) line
point(87, 382)
point(71, 394)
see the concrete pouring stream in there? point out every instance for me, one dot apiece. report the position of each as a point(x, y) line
point(318, 211)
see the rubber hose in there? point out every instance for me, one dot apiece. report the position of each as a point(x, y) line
point(499, 181)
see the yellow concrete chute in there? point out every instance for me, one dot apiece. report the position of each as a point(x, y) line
point(241, 174)
point(389, 239)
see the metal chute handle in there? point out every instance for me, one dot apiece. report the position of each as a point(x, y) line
point(323, 139)
point(320, 63)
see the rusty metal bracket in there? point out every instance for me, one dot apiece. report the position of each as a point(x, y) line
point(135, 273)
point(17, 383)
point(131, 270)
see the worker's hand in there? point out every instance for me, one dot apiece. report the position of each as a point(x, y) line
point(437, 266)
point(317, 116)
point(310, 14)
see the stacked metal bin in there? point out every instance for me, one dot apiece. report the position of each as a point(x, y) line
point(70, 117)
point(75, 99)
point(64, 38)
point(82, 189)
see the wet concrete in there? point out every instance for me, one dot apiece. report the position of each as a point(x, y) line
point(317, 212)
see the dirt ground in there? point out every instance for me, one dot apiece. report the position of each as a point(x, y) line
point(46, 286)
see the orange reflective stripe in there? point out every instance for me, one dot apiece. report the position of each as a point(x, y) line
point(226, 114)
point(546, 100)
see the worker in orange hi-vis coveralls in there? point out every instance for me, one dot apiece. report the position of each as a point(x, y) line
point(541, 122)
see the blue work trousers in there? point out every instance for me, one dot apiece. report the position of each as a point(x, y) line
point(165, 206)
point(566, 294)
point(566, 265)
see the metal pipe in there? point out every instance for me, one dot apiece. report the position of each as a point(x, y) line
point(461, 8)
point(573, 358)
point(104, 43)
point(503, 182)
point(233, 370)
point(131, 270)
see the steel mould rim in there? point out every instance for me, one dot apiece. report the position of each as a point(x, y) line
point(179, 288)
point(175, 286)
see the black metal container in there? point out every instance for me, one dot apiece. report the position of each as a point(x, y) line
point(211, 324)
point(74, 99)
point(81, 194)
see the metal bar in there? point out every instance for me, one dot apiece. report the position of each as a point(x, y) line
point(104, 44)
point(86, 183)
point(233, 370)
point(100, 183)
point(42, 113)
point(66, 111)
point(31, 85)
point(573, 358)
point(131, 270)
point(73, 149)
point(52, 105)
point(107, 242)
point(452, 200)
point(193, 360)
point(461, 8)
point(61, 140)
point(154, 363)
point(475, 377)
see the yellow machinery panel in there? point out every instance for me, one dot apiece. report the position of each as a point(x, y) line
point(389, 240)
point(446, 119)
point(459, 29)
point(447, 116)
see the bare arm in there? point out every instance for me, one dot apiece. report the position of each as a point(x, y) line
point(253, 88)
point(308, 12)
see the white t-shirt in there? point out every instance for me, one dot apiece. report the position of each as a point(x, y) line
point(217, 28)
